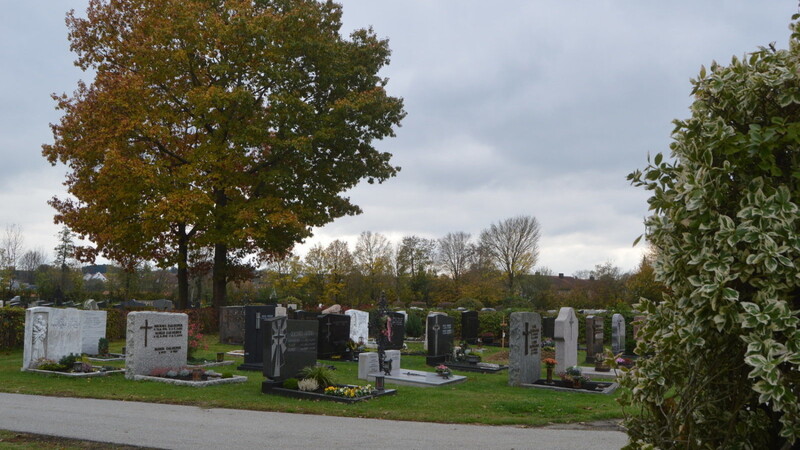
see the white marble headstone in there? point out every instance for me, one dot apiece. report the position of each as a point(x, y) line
point(359, 325)
point(367, 364)
point(155, 340)
point(93, 327)
point(51, 333)
point(280, 311)
point(565, 335)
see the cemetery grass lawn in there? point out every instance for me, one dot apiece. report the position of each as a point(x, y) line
point(15, 440)
point(482, 399)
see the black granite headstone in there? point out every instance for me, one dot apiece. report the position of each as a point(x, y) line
point(289, 346)
point(469, 326)
point(548, 327)
point(440, 339)
point(254, 335)
point(398, 335)
point(305, 315)
point(334, 334)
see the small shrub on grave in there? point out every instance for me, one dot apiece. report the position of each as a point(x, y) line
point(308, 385)
point(102, 346)
point(69, 360)
point(290, 383)
point(321, 374)
point(48, 364)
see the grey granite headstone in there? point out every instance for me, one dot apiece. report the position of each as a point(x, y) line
point(565, 335)
point(617, 334)
point(359, 325)
point(93, 327)
point(524, 361)
point(394, 355)
point(594, 337)
point(231, 325)
point(51, 333)
point(155, 340)
point(368, 364)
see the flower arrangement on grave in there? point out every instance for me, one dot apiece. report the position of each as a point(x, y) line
point(195, 339)
point(624, 362)
point(443, 371)
point(550, 363)
point(349, 391)
point(600, 364)
point(574, 375)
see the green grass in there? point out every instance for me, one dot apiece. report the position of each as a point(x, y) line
point(482, 399)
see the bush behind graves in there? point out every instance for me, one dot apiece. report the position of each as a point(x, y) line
point(12, 328)
point(725, 370)
point(414, 326)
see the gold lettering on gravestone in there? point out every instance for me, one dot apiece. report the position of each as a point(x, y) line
point(168, 330)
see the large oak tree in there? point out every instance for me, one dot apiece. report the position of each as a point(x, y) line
point(232, 124)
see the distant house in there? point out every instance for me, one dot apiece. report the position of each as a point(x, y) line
point(564, 285)
point(95, 277)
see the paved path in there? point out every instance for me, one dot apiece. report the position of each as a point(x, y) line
point(191, 427)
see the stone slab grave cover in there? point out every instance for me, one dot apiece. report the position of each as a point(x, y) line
point(93, 327)
point(440, 339)
point(334, 334)
point(525, 335)
point(231, 325)
point(469, 326)
point(398, 334)
point(594, 337)
point(51, 333)
point(427, 320)
point(289, 346)
point(565, 335)
point(359, 326)
point(617, 334)
point(254, 315)
point(155, 340)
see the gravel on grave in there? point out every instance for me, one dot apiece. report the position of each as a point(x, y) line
point(204, 383)
point(76, 374)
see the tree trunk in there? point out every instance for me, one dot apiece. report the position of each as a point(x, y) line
point(183, 267)
point(219, 276)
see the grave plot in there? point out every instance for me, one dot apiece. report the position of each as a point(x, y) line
point(290, 365)
point(466, 361)
point(156, 349)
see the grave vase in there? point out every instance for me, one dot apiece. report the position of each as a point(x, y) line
point(549, 375)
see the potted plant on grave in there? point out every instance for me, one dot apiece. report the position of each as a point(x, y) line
point(573, 376)
point(443, 371)
point(600, 364)
point(550, 364)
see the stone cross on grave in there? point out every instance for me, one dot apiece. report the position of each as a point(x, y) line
point(145, 328)
point(571, 321)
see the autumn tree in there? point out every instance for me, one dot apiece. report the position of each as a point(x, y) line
point(228, 124)
point(414, 262)
point(453, 255)
point(373, 258)
point(513, 246)
point(724, 342)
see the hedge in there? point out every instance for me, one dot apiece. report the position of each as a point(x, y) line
point(12, 328)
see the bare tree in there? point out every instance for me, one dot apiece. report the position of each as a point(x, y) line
point(455, 252)
point(11, 246)
point(373, 257)
point(513, 245)
point(30, 262)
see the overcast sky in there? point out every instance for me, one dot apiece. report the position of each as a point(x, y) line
point(514, 108)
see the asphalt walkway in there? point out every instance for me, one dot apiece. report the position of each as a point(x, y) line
point(190, 427)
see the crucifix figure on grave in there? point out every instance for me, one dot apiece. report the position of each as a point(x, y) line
point(145, 328)
point(278, 346)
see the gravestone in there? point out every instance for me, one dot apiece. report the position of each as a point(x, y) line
point(90, 305)
point(129, 304)
point(334, 334)
point(163, 305)
point(306, 315)
point(525, 335)
point(51, 333)
point(335, 309)
point(440, 339)
point(16, 301)
point(280, 311)
point(359, 326)
point(594, 337)
point(398, 334)
point(617, 334)
point(254, 335)
point(155, 340)
point(368, 364)
point(469, 326)
point(394, 356)
point(548, 327)
point(289, 346)
point(565, 335)
point(93, 327)
point(427, 320)
point(231, 325)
